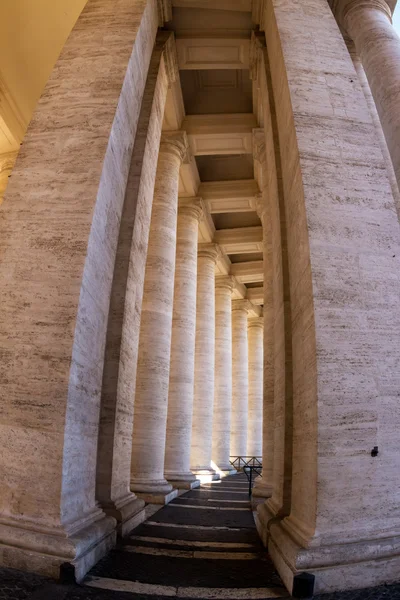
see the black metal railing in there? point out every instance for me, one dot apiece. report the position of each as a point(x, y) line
point(251, 473)
point(250, 465)
point(239, 462)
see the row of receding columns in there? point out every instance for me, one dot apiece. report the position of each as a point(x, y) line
point(198, 398)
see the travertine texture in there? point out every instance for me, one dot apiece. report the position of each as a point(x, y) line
point(378, 45)
point(240, 378)
point(116, 415)
point(181, 378)
point(255, 328)
point(200, 458)
point(151, 398)
point(343, 248)
point(223, 373)
point(375, 118)
point(59, 233)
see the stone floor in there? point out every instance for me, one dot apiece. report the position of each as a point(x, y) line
point(203, 545)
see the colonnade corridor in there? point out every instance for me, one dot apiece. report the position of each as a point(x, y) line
point(200, 266)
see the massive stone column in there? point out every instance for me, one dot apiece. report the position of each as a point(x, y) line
point(204, 363)
point(120, 361)
point(255, 414)
point(59, 231)
point(223, 374)
point(369, 25)
point(343, 247)
point(240, 378)
point(181, 377)
point(151, 398)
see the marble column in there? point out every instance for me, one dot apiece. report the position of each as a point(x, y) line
point(204, 363)
point(378, 46)
point(151, 399)
point(240, 378)
point(181, 377)
point(255, 331)
point(114, 449)
point(59, 231)
point(223, 374)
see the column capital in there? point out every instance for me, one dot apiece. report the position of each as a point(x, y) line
point(241, 305)
point(175, 142)
point(211, 251)
point(342, 8)
point(256, 322)
point(224, 282)
point(193, 207)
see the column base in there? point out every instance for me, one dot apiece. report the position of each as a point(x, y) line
point(182, 481)
point(185, 485)
point(145, 485)
point(160, 498)
point(337, 566)
point(39, 549)
point(263, 517)
point(205, 475)
point(128, 511)
point(260, 493)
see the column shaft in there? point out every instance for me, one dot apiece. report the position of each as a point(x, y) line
point(59, 232)
point(119, 375)
point(240, 378)
point(378, 45)
point(150, 415)
point(204, 361)
point(223, 374)
point(181, 379)
point(255, 413)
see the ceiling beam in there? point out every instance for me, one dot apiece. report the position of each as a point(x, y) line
point(232, 5)
point(229, 196)
point(220, 134)
point(197, 52)
point(248, 272)
point(242, 240)
point(256, 295)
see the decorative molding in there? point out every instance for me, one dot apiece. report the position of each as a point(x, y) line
point(176, 142)
point(213, 53)
point(210, 251)
point(256, 322)
point(193, 207)
point(224, 282)
point(164, 11)
point(241, 305)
